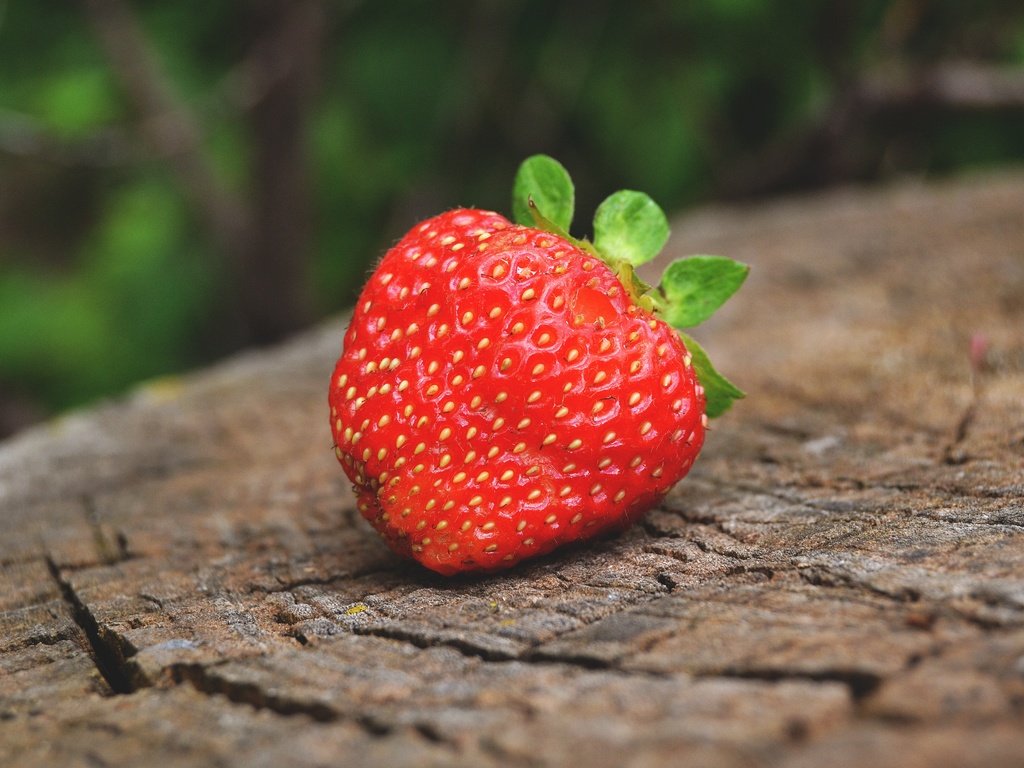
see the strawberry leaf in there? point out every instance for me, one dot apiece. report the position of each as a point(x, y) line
point(696, 286)
point(719, 391)
point(544, 180)
point(630, 227)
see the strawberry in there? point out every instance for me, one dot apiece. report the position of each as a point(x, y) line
point(505, 389)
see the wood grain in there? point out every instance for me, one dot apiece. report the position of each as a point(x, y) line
point(184, 582)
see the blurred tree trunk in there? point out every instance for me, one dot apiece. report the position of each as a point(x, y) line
point(264, 237)
point(287, 59)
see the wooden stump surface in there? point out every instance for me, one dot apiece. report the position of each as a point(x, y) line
point(840, 580)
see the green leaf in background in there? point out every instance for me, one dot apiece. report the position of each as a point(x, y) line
point(696, 286)
point(546, 181)
point(76, 102)
point(719, 391)
point(629, 226)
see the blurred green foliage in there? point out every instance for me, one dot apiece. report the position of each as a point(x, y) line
point(108, 274)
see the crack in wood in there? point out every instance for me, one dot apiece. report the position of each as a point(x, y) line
point(860, 683)
point(666, 580)
point(654, 531)
point(655, 548)
point(321, 581)
point(204, 679)
point(426, 640)
point(107, 649)
point(536, 654)
point(765, 571)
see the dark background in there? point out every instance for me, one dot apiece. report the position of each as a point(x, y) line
point(179, 180)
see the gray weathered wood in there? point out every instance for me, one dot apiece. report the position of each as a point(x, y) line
point(840, 581)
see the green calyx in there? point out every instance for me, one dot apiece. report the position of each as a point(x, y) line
point(630, 229)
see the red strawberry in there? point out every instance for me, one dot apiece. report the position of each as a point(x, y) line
point(501, 392)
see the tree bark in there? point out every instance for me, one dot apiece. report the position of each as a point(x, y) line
point(840, 580)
